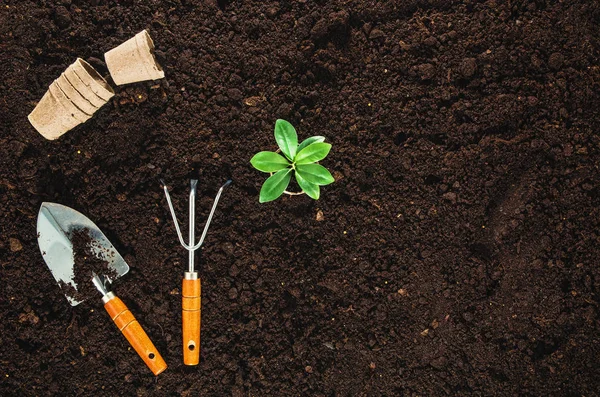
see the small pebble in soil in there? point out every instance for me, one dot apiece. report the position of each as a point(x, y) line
point(140, 97)
point(319, 216)
point(252, 101)
point(15, 245)
point(404, 46)
point(338, 175)
point(29, 317)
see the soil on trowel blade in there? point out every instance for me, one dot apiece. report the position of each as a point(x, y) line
point(87, 263)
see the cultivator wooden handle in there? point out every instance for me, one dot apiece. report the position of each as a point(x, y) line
point(134, 333)
point(190, 318)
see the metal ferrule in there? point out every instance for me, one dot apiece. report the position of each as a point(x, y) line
point(108, 297)
point(191, 275)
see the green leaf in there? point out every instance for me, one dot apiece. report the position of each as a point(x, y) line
point(315, 173)
point(275, 185)
point(313, 153)
point(269, 162)
point(286, 138)
point(309, 141)
point(311, 189)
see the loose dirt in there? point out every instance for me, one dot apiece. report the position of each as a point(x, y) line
point(456, 253)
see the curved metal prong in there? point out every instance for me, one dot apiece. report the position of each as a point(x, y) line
point(187, 247)
point(192, 224)
point(210, 216)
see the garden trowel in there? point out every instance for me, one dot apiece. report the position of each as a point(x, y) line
point(56, 226)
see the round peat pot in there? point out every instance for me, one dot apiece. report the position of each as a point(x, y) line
point(71, 99)
point(92, 79)
point(66, 103)
point(82, 88)
point(51, 118)
point(75, 96)
point(134, 61)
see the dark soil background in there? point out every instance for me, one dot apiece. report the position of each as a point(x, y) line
point(456, 253)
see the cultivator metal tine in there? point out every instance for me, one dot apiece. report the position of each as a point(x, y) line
point(173, 215)
point(210, 216)
point(192, 227)
point(192, 215)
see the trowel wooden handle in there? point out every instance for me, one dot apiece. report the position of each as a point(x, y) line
point(190, 319)
point(135, 334)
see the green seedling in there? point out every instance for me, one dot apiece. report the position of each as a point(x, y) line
point(299, 161)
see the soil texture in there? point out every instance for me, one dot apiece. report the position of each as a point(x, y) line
point(456, 253)
point(89, 260)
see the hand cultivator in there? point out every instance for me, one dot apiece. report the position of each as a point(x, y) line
point(191, 289)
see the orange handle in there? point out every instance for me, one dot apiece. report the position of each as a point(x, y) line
point(190, 319)
point(135, 334)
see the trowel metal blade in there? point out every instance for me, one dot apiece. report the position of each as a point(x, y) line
point(55, 226)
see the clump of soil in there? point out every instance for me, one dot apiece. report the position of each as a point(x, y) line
point(86, 262)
